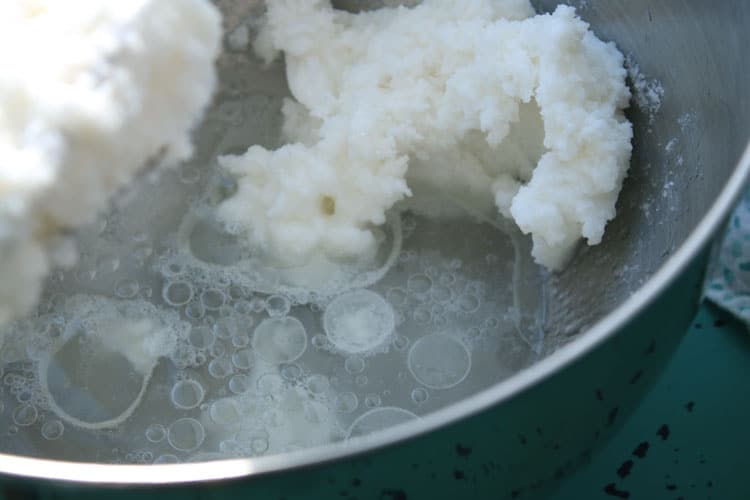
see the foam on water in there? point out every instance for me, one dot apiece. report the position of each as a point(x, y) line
point(358, 322)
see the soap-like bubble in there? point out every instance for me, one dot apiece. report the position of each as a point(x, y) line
point(277, 305)
point(468, 302)
point(396, 296)
point(372, 400)
point(243, 359)
point(52, 430)
point(156, 433)
point(419, 395)
point(177, 293)
point(185, 434)
point(419, 283)
point(225, 412)
point(280, 340)
point(354, 364)
point(195, 310)
point(359, 321)
point(240, 384)
point(317, 384)
point(172, 269)
point(226, 327)
point(218, 349)
point(378, 419)
point(400, 342)
point(126, 288)
point(346, 402)
point(201, 337)
point(187, 394)
point(243, 307)
point(212, 299)
point(438, 361)
point(319, 341)
point(220, 367)
point(25, 415)
point(255, 440)
point(290, 372)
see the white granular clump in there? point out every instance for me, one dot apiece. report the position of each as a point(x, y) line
point(648, 94)
point(89, 91)
point(480, 100)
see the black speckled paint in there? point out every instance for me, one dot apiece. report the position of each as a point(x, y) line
point(462, 450)
point(612, 415)
point(651, 347)
point(641, 450)
point(636, 377)
point(393, 494)
point(624, 470)
point(612, 490)
point(663, 432)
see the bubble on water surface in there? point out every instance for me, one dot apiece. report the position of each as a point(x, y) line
point(438, 361)
point(419, 395)
point(186, 434)
point(358, 321)
point(177, 293)
point(220, 367)
point(156, 433)
point(280, 340)
point(277, 305)
point(52, 429)
point(187, 394)
point(25, 415)
point(346, 402)
point(212, 299)
point(243, 359)
point(201, 337)
point(240, 384)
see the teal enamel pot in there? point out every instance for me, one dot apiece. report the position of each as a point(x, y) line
point(617, 312)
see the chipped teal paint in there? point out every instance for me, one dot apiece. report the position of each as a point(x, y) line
point(701, 397)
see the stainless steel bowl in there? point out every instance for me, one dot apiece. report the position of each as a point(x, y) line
point(615, 314)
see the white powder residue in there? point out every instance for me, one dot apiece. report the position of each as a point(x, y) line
point(648, 94)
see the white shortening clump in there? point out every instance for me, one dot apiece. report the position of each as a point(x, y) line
point(482, 100)
point(89, 91)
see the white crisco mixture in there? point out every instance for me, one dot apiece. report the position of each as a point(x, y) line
point(481, 100)
point(89, 91)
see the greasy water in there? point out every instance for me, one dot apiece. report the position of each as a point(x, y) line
point(171, 340)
